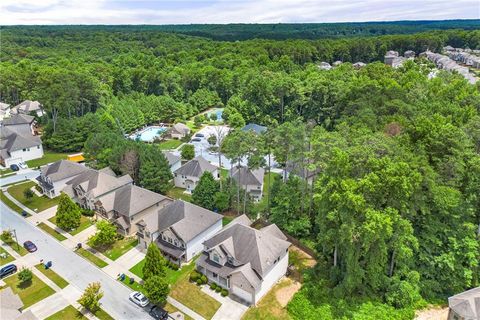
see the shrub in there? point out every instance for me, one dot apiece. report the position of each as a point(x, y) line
point(28, 194)
point(218, 289)
point(224, 292)
point(213, 286)
point(194, 276)
point(204, 279)
point(6, 236)
point(88, 212)
point(199, 281)
point(175, 266)
point(25, 275)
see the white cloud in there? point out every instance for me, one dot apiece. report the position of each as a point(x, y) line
point(223, 11)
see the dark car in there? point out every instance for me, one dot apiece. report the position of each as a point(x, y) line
point(30, 246)
point(14, 167)
point(158, 313)
point(200, 135)
point(196, 140)
point(8, 270)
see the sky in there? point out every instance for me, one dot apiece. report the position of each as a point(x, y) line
point(230, 11)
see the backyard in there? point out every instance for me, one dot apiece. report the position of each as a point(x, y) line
point(178, 193)
point(48, 157)
point(31, 292)
point(85, 222)
point(36, 203)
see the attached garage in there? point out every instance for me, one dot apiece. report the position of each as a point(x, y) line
point(242, 294)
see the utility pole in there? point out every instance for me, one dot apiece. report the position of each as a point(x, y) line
point(16, 239)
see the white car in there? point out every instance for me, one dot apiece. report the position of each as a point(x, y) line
point(139, 299)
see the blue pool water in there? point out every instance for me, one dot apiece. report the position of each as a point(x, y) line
point(149, 134)
point(219, 113)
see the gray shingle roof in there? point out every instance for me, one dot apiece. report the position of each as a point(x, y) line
point(12, 139)
point(254, 127)
point(466, 304)
point(180, 128)
point(171, 158)
point(248, 245)
point(186, 219)
point(62, 169)
point(96, 183)
point(18, 119)
point(196, 167)
point(28, 106)
point(247, 176)
point(130, 200)
point(4, 106)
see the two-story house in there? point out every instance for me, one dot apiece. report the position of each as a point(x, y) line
point(188, 175)
point(174, 161)
point(18, 142)
point(129, 204)
point(245, 261)
point(179, 230)
point(251, 180)
point(53, 177)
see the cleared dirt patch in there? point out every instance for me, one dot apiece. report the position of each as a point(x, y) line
point(285, 294)
point(433, 313)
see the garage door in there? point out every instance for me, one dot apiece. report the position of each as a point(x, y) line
point(242, 294)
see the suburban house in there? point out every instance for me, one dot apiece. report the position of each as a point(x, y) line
point(53, 178)
point(250, 180)
point(188, 175)
point(127, 205)
point(90, 186)
point(18, 142)
point(11, 306)
point(465, 305)
point(179, 230)
point(4, 110)
point(174, 161)
point(178, 131)
point(258, 129)
point(245, 261)
point(27, 107)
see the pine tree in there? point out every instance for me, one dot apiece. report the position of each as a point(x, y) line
point(204, 193)
point(68, 213)
point(154, 263)
point(155, 171)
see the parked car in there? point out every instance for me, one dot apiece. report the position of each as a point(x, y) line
point(8, 270)
point(30, 246)
point(196, 140)
point(158, 313)
point(23, 165)
point(14, 167)
point(139, 299)
point(200, 135)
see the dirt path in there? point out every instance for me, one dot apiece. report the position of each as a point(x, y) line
point(433, 313)
point(285, 294)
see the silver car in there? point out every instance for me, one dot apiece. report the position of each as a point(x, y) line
point(139, 299)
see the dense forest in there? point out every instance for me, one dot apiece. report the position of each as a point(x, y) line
point(394, 209)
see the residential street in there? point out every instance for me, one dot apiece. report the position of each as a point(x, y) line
point(72, 267)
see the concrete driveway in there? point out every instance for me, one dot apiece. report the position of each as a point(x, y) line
point(20, 176)
point(72, 267)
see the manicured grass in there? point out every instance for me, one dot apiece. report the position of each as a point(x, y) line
point(119, 248)
point(226, 220)
point(191, 296)
point(29, 293)
point(91, 257)
point(172, 276)
point(137, 269)
point(66, 314)
point(36, 203)
point(17, 247)
point(178, 193)
point(171, 309)
point(169, 144)
point(85, 222)
point(268, 307)
point(103, 315)
point(48, 156)
point(134, 286)
point(9, 203)
point(51, 231)
point(6, 173)
point(6, 260)
point(52, 275)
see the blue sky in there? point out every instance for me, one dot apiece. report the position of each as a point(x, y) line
point(225, 11)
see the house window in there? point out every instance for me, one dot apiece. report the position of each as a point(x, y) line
point(214, 275)
point(175, 242)
point(175, 175)
point(170, 240)
point(183, 245)
point(24, 150)
point(164, 237)
point(216, 258)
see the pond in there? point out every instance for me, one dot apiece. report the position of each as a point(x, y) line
point(148, 134)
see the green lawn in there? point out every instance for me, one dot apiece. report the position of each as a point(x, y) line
point(178, 193)
point(137, 269)
point(37, 203)
point(134, 286)
point(85, 222)
point(66, 314)
point(119, 248)
point(48, 156)
point(7, 172)
point(169, 144)
point(172, 276)
point(54, 233)
point(30, 293)
point(6, 260)
point(91, 257)
point(17, 247)
point(103, 315)
point(52, 275)
point(11, 205)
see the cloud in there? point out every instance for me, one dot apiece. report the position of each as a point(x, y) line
point(227, 11)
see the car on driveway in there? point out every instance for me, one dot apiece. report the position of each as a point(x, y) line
point(139, 299)
point(8, 270)
point(30, 246)
point(200, 135)
point(158, 313)
point(196, 140)
point(14, 167)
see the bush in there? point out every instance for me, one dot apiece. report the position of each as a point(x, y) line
point(199, 281)
point(218, 289)
point(213, 286)
point(204, 279)
point(88, 212)
point(175, 266)
point(194, 276)
point(6, 236)
point(224, 292)
point(25, 275)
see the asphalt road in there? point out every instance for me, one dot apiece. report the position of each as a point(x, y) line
point(76, 270)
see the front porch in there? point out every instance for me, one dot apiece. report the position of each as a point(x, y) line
point(171, 252)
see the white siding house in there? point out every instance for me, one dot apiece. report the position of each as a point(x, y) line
point(188, 175)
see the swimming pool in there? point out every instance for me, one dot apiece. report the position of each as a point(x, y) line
point(149, 133)
point(218, 112)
